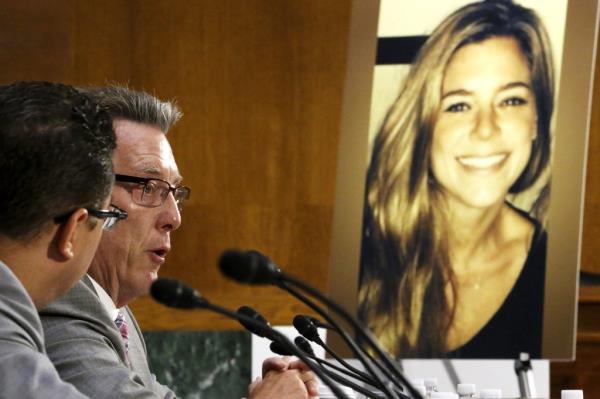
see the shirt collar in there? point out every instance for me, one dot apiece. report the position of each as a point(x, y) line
point(105, 299)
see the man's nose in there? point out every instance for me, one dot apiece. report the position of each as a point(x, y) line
point(170, 218)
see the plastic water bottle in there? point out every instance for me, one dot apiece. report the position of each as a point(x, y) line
point(490, 394)
point(430, 385)
point(571, 394)
point(465, 391)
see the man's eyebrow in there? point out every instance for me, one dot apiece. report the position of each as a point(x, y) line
point(149, 168)
point(153, 170)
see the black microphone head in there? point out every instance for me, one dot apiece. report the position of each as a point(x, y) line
point(253, 328)
point(317, 322)
point(250, 267)
point(279, 349)
point(304, 345)
point(175, 294)
point(306, 328)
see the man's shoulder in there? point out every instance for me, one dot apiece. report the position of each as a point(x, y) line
point(19, 321)
point(79, 300)
point(77, 314)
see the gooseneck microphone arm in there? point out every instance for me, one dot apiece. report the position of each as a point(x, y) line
point(174, 293)
point(305, 346)
point(358, 388)
point(307, 329)
point(391, 366)
point(304, 323)
point(254, 268)
point(349, 341)
point(364, 357)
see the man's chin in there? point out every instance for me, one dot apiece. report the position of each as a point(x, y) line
point(147, 283)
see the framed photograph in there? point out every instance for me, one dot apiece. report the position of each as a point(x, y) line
point(460, 181)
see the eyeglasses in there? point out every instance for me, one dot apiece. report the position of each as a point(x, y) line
point(153, 192)
point(111, 217)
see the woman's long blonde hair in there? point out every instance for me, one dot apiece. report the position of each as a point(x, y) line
point(405, 263)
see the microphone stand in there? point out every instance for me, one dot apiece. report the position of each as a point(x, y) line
point(349, 341)
point(305, 346)
point(285, 341)
point(347, 372)
point(200, 302)
point(284, 278)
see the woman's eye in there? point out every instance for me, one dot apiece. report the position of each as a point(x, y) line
point(457, 107)
point(514, 101)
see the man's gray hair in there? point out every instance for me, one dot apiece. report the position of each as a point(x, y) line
point(136, 106)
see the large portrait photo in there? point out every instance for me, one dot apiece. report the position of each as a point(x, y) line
point(454, 225)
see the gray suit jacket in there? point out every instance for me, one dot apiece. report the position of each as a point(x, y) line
point(86, 347)
point(25, 370)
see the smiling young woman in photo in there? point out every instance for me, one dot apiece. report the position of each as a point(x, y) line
point(450, 267)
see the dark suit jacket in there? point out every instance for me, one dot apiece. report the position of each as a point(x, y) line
point(86, 347)
point(25, 370)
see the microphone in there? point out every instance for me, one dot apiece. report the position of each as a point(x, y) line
point(261, 270)
point(303, 344)
point(263, 267)
point(248, 267)
point(318, 323)
point(254, 315)
point(173, 293)
point(307, 329)
point(279, 349)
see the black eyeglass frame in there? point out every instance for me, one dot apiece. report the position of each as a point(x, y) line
point(116, 214)
point(110, 217)
point(184, 190)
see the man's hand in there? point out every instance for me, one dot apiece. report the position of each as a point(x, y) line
point(284, 376)
point(279, 385)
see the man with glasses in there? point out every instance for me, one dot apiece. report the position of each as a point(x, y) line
point(55, 182)
point(85, 334)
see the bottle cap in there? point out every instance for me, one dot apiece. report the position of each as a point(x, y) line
point(465, 389)
point(571, 394)
point(490, 394)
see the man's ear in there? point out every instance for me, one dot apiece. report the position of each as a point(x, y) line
point(67, 233)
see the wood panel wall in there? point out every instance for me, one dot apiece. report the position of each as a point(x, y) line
point(590, 257)
point(260, 84)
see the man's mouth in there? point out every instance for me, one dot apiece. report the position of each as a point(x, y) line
point(159, 254)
